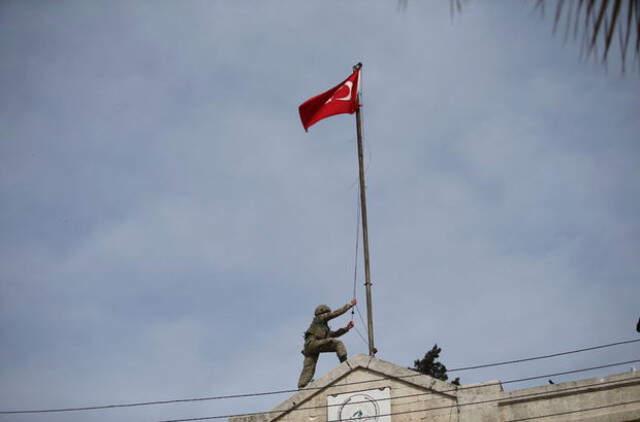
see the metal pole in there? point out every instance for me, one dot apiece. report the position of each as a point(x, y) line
point(365, 231)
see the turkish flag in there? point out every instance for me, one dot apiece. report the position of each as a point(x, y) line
point(342, 98)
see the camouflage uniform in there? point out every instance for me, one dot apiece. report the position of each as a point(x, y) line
point(320, 339)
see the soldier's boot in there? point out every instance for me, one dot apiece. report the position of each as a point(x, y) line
point(342, 358)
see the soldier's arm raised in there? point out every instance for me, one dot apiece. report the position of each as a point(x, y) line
point(339, 311)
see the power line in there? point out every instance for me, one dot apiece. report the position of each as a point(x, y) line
point(494, 400)
point(60, 410)
point(489, 401)
point(404, 397)
point(285, 391)
point(447, 407)
point(553, 355)
point(569, 412)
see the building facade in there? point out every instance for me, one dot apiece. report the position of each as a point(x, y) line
point(368, 389)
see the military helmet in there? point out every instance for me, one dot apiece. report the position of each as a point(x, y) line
point(322, 309)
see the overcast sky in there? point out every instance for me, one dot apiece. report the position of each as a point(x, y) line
point(168, 227)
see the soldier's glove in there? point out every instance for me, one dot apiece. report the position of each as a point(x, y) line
point(350, 325)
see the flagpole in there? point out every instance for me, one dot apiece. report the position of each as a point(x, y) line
point(365, 230)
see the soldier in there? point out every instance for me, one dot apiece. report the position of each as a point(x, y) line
point(320, 339)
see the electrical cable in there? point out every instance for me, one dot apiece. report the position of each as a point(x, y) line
point(483, 402)
point(508, 362)
point(447, 407)
point(488, 401)
point(570, 412)
point(541, 393)
point(198, 399)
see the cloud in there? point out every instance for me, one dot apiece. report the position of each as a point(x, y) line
point(168, 227)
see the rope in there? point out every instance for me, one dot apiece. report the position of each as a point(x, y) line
point(364, 340)
point(355, 275)
point(364, 324)
point(358, 223)
point(355, 259)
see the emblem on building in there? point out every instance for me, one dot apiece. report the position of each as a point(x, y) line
point(361, 406)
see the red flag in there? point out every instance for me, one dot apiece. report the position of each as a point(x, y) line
point(342, 98)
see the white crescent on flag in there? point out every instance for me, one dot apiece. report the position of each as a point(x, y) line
point(346, 97)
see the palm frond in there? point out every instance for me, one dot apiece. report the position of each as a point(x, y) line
point(596, 23)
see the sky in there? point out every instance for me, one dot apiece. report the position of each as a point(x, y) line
point(168, 227)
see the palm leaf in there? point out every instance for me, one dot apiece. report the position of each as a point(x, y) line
point(595, 22)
